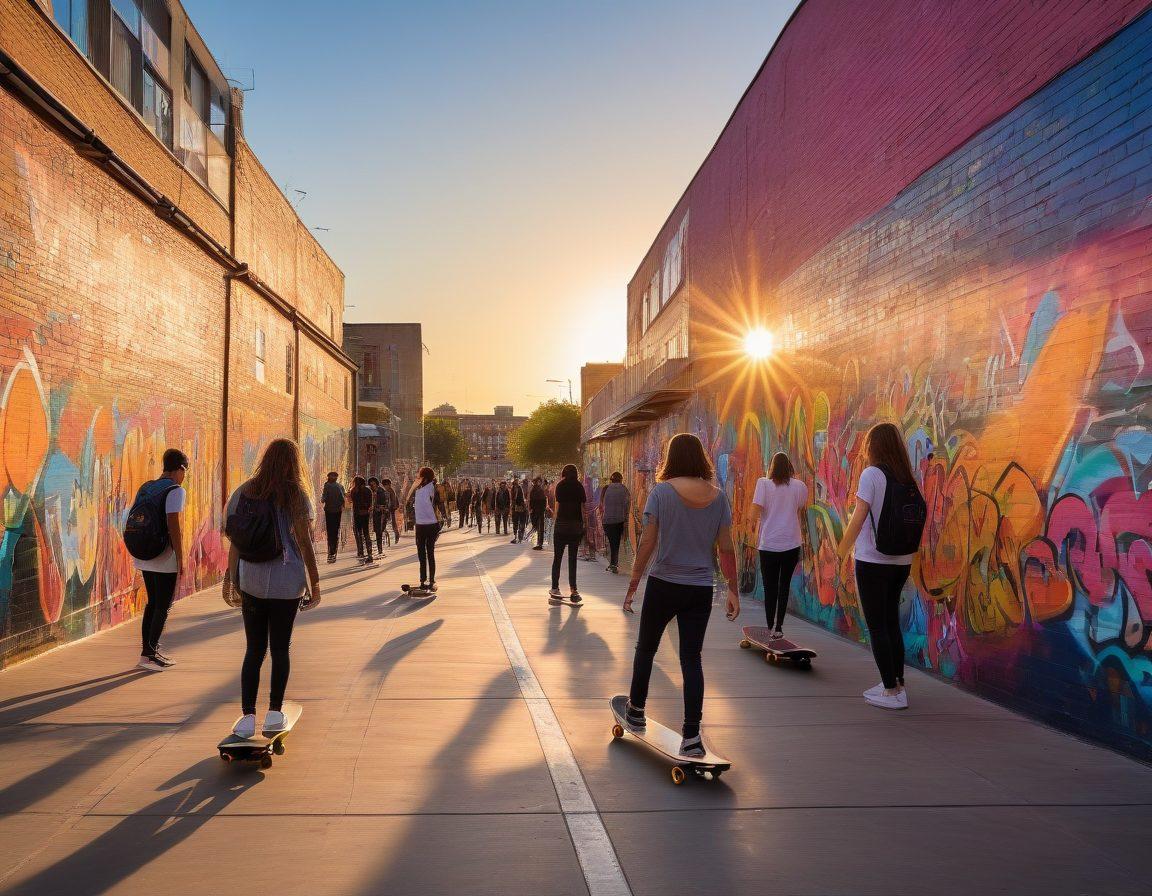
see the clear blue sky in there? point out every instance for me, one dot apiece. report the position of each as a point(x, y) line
point(494, 170)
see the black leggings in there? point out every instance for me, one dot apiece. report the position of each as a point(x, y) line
point(426, 534)
point(479, 520)
point(538, 517)
point(615, 532)
point(465, 514)
point(776, 568)
point(360, 525)
point(519, 524)
point(378, 527)
point(266, 620)
point(559, 542)
point(161, 588)
point(501, 520)
point(332, 524)
point(878, 586)
point(690, 606)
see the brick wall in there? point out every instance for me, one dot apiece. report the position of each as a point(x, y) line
point(996, 305)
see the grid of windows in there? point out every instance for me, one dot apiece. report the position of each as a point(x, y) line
point(667, 279)
point(203, 130)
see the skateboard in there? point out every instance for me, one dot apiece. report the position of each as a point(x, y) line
point(775, 649)
point(552, 599)
point(260, 747)
point(667, 742)
point(417, 591)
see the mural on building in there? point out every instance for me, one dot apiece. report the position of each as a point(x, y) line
point(1000, 311)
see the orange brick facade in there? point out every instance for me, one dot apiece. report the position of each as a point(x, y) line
point(114, 329)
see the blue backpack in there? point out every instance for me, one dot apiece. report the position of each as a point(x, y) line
point(146, 529)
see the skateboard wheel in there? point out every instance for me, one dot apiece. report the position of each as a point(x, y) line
point(678, 775)
point(617, 731)
point(278, 748)
point(716, 775)
point(745, 644)
point(265, 761)
point(768, 658)
point(227, 757)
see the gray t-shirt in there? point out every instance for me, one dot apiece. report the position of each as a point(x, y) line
point(616, 500)
point(686, 544)
point(283, 578)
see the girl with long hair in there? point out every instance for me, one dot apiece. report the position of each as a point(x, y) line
point(686, 520)
point(777, 513)
point(428, 506)
point(880, 577)
point(271, 592)
point(569, 500)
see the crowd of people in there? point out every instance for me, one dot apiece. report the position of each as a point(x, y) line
point(686, 537)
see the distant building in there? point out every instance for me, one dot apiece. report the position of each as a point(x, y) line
point(486, 438)
point(390, 394)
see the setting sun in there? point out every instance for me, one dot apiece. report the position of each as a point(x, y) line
point(759, 343)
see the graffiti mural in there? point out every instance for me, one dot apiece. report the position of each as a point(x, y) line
point(1003, 319)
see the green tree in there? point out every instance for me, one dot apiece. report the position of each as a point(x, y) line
point(550, 436)
point(443, 444)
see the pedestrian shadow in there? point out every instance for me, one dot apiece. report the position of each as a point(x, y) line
point(401, 605)
point(41, 703)
point(140, 838)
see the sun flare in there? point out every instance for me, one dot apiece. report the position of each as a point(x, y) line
point(759, 343)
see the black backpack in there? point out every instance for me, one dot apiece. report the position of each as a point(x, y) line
point(146, 529)
point(253, 530)
point(902, 518)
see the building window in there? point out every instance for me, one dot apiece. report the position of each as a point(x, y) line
point(674, 263)
point(331, 322)
point(289, 369)
point(139, 61)
point(204, 128)
point(260, 358)
point(347, 389)
point(370, 374)
point(72, 16)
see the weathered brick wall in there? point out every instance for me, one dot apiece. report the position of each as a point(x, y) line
point(325, 399)
point(265, 225)
point(994, 303)
point(319, 286)
point(111, 341)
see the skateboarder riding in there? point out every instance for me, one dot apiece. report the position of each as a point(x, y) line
point(429, 511)
point(686, 518)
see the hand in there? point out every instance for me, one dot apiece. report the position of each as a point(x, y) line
point(313, 598)
point(733, 607)
point(630, 596)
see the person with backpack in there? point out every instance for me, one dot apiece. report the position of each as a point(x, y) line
point(271, 561)
point(429, 511)
point(538, 508)
point(363, 500)
point(519, 511)
point(569, 499)
point(778, 507)
point(884, 536)
point(503, 507)
point(464, 503)
point(687, 520)
point(390, 510)
point(379, 511)
point(615, 501)
point(154, 538)
point(333, 499)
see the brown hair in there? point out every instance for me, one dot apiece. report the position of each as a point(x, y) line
point(781, 470)
point(280, 478)
point(884, 447)
point(426, 474)
point(617, 477)
point(684, 455)
point(569, 471)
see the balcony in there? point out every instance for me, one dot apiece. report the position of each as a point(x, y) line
point(641, 394)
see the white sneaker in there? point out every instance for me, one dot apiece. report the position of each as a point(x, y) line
point(246, 727)
point(147, 662)
point(874, 691)
point(889, 701)
point(274, 721)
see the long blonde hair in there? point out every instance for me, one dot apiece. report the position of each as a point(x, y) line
point(280, 478)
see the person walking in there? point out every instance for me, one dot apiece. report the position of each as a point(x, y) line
point(686, 520)
point(478, 508)
point(503, 507)
point(615, 501)
point(379, 513)
point(464, 503)
point(161, 571)
point(363, 501)
point(884, 536)
point(333, 499)
point(519, 511)
point(391, 508)
point(271, 513)
point(429, 511)
point(538, 508)
point(777, 516)
point(569, 500)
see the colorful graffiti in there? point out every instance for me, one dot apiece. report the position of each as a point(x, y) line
point(1003, 318)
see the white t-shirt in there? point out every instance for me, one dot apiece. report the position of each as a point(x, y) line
point(779, 522)
point(871, 489)
point(166, 562)
point(425, 511)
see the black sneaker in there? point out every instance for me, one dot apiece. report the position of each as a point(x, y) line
point(634, 717)
point(538, 547)
point(331, 558)
point(575, 597)
point(165, 661)
point(692, 747)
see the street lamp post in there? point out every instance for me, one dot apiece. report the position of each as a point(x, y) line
point(562, 382)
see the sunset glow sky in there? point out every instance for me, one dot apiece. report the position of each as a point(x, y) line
point(495, 171)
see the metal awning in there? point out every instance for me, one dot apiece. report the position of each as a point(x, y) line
point(636, 413)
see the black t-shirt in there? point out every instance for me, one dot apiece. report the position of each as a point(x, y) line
point(570, 498)
point(538, 497)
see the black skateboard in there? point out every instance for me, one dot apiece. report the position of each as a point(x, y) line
point(260, 747)
point(667, 742)
point(775, 649)
point(417, 591)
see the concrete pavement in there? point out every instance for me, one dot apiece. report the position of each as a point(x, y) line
point(425, 761)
